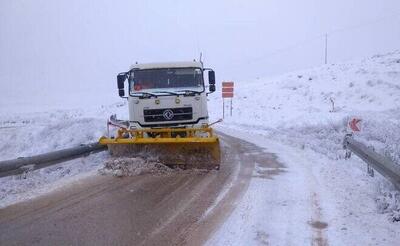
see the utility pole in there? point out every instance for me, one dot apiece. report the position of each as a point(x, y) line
point(326, 48)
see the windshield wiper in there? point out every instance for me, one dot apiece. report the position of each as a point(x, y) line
point(168, 92)
point(146, 94)
point(190, 92)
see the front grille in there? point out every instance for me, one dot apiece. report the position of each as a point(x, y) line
point(164, 114)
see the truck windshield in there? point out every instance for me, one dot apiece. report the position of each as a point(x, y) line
point(166, 79)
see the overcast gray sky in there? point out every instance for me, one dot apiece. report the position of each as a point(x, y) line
point(67, 46)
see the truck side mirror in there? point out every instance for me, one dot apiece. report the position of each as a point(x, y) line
point(211, 77)
point(121, 84)
point(211, 88)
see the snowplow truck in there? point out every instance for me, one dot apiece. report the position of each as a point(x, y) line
point(168, 115)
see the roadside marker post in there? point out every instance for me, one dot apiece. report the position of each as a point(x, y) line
point(227, 92)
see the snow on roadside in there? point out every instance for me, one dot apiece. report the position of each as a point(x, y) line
point(36, 133)
point(33, 133)
point(315, 201)
point(18, 188)
point(310, 110)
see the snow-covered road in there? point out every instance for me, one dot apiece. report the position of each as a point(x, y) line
point(149, 209)
point(311, 202)
point(266, 193)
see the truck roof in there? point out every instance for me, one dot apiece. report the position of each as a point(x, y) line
point(167, 65)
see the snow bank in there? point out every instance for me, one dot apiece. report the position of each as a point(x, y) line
point(31, 184)
point(35, 133)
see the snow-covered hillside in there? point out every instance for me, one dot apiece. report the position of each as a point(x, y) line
point(311, 108)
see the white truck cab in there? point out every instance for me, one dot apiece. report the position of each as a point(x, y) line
point(167, 94)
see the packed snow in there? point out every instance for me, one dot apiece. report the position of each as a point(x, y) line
point(313, 200)
point(302, 117)
point(133, 166)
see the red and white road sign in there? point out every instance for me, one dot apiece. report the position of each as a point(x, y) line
point(227, 84)
point(227, 89)
point(353, 124)
point(227, 95)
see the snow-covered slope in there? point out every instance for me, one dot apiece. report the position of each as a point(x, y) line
point(311, 108)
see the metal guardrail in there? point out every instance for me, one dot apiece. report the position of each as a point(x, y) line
point(382, 164)
point(23, 164)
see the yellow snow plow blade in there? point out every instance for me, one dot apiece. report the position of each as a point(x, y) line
point(184, 147)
